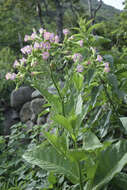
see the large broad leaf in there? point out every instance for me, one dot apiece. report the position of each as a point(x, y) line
point(110, 162)
point(48, 159)
point(78, 109)
point(78, 80)
point(78, 154)
point(120, 181)
point(95, 93)
point(99, 40)
point(90, 141)
point(90, 75)
point(53, 99)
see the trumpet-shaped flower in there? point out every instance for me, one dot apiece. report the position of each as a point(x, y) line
point(66, 31)
point(80, 68)
point(45, 55)
point(41, 30)
point(57, 39)
point(99, 58)
point(106, 69)
point(81, 43)
point(77, 57)
point(46, 45)
point(47, 35)
point(27, 49)
point(16, 64)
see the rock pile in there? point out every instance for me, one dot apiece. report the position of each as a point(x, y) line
point(26, 104)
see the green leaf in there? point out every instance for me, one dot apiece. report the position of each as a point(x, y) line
point(100, 40)
point(110, 162)
point(78, 81)
point(77, 154)
point(90, 75)
point(48, 159)
point(120, 181)
point(64, 122)
point(78, 109)
point(53, 99)
point(124, 122)
point(90, 141)
point(58, 142)
point(95, 93)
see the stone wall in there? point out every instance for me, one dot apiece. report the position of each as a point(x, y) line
point(26, 103)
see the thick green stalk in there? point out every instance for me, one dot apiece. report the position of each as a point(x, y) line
point(61, 98)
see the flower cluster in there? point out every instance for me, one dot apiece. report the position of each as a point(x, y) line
point(10, 76)
point(41, 48)
point(77, 57)
point(27, 49)
point(106, 64)
point(80, 68)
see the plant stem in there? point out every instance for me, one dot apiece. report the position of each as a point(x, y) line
point(62, 101)
point(80, 176)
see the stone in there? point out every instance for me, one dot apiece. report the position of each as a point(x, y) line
point(36, 94)
point(20, 96)
point(26, 112)
point(11, 117)
point(37, 105)
point(29, 124)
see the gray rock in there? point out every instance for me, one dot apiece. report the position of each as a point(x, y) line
point(36, 94)
point(26, 112)
point(21, 96)
point(29, 125)
point(37, 105)
point(11, 117)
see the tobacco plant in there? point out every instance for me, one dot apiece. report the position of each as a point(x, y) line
point(84, 141)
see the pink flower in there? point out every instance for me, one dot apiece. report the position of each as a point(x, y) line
point(56, 39)
point(77, 57)
point(27, 49)
point(66, 31)
point(10, 76)
point(41, 44)
point(106, 69)
point(106, 64)
point(16, 64)
point(47, 35)
point(46, 45)
point(88, 63)
point(36, 45)
point(23, 60)
point(80, 68)
point(41, 30)
point(45, 55)
point(52, 37)
point(81, 43)
point(26, 38)
point(33, 36)
point(99, 58)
